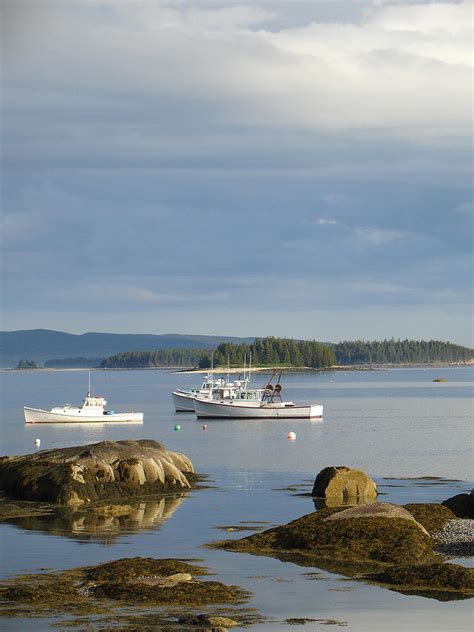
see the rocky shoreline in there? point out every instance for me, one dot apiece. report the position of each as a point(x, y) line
point(456, 538)
point(402, 548)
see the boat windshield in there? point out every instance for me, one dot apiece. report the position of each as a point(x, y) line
point(249, 395)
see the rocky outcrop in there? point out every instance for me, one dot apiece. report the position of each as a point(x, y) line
point(344, 486)
point(131, 583)
point(462, 505)
point(379, 542)
point(371, 534)
point(107, 470)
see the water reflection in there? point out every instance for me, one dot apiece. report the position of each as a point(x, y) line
point(103, 523)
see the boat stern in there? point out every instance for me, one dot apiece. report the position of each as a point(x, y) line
point(316, 411)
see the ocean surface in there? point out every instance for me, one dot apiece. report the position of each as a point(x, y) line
point(397, 425)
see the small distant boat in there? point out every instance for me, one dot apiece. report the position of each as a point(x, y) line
point(440, 379)
point(264, 403)
point(92, 411)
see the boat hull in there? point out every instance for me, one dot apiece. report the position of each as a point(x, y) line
point(183, 402)
point(39, 416)
point(231, 410)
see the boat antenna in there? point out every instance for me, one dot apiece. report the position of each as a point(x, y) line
point(228, 368)
point(250, 365)
point(89, 390)
point(245, 362)
point(212, 366)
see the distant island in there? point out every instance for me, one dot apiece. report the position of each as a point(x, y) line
point(57, 350)
point(47, 347)
point(286, 352)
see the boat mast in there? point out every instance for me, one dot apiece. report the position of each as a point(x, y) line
point(89, 390)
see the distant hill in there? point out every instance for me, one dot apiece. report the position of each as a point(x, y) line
point(41, 345)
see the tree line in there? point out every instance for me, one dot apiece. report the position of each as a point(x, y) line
point(274, 352)
point(400, 352)
point(163, 358)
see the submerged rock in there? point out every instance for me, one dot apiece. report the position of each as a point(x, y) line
point(134, 582)
point(342, 486)
point(106, 470)
point(208, 621)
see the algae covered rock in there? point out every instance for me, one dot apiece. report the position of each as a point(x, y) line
point(435, 578)
point(462, 505)
point(88, 473)
point(373, 538)
point(433, 517)
point(342, 485)
point(132, 582)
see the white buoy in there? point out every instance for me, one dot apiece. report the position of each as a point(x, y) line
point(204, 427)
point(291, 436)
point(37, 441)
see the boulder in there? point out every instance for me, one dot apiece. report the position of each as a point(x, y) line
point(381, 510)
point(462, 505)
point(106, 470)
point(344, 486)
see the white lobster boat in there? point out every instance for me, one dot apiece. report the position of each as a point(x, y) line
point(256, 404)
point(184, 400)
point(92, 411)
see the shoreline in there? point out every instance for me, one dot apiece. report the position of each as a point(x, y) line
point(256, 369)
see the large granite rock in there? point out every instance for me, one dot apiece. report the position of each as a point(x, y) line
point(462, 505)
point(376, 510)
point(106, 470)
point(344, 486)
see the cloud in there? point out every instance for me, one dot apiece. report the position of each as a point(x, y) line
point(405, 69)
point(379, 236)
point(165, 152)
point(322, 221)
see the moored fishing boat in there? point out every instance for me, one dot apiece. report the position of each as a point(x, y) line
point(257, 403)
point(92, 411)
point(184, 399)
point(233, 409)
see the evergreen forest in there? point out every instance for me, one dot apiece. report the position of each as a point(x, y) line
point(275, 352)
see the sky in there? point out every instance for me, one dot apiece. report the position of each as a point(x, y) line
point(294, 168)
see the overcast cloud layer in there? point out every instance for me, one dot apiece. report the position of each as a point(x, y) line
point(274, 167)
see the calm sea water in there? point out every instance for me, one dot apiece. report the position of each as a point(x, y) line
point(397, 425)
